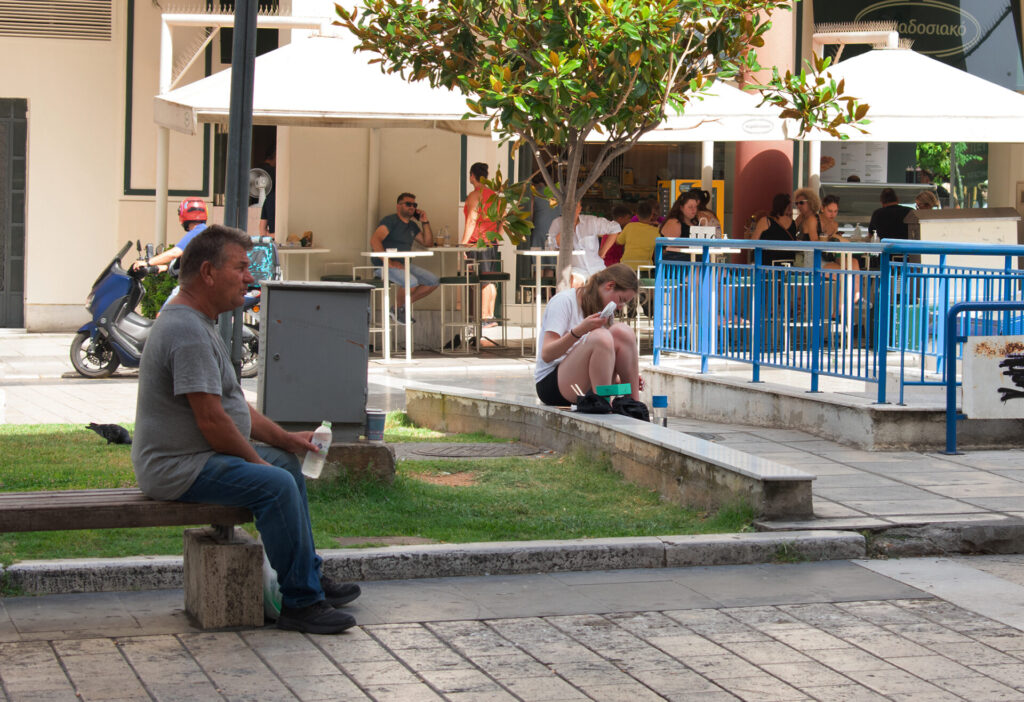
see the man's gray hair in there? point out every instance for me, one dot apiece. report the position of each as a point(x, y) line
point(209, 245)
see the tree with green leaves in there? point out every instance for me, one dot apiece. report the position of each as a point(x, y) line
point(962, 172)
point(548, 73)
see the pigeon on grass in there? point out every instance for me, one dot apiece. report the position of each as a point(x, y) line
point(113, 433)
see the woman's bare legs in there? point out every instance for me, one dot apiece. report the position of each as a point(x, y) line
point(627, 362)
point(589, 364)
point(606, 354)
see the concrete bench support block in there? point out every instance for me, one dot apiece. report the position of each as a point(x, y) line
point(685, 470)
point(223, 580)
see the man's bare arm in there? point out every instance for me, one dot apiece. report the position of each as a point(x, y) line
point(270, 432)
point(377, 238)
point(218, 429)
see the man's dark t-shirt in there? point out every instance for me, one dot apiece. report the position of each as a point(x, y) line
point(400, 234)
point(888, 222)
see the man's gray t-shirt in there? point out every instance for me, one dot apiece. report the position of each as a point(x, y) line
point(184, 354)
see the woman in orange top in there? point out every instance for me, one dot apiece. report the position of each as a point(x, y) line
point(480, 226)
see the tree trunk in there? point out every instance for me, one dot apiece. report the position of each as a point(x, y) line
point(566, 246)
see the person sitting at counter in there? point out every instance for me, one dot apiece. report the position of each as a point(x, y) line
point(589, 230)
point(398, 231)
point(637, 238)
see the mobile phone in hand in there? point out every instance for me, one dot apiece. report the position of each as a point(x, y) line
point(608, 310)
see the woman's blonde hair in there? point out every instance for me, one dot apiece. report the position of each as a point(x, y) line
point(620, 274)
point(926, 200)
point(812, 199)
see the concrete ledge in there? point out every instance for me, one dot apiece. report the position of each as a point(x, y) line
point(684, 469)
point(463, 560)
point(992, 537)
point(844, 418)
point(96, 575)
point(732, 549)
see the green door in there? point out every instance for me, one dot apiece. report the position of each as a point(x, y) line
point(12, 211)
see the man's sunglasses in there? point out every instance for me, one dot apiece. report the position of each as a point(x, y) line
point(410, 204)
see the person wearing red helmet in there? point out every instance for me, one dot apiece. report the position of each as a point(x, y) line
point(192, 215)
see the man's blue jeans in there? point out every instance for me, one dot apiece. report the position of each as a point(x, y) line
point(276, 495)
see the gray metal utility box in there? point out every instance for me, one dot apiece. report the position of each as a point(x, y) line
point(314, 345)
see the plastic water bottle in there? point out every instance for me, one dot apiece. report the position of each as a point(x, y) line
point(314, 461)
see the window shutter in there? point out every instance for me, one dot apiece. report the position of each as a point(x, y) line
point(56, 19)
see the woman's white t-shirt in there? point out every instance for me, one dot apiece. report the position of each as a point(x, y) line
point(562, 314)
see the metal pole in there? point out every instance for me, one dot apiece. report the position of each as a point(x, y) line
point(236, 202)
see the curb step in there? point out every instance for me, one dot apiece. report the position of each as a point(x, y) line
point(463, 560)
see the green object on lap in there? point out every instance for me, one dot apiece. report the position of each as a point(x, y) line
point(609, 390)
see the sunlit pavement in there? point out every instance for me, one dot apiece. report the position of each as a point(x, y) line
point(902, 629)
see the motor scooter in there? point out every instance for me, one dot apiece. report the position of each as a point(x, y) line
point(117, 334)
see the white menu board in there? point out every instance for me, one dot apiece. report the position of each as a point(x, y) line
point(868, 160)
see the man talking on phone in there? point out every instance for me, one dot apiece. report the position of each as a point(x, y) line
point(398, 231)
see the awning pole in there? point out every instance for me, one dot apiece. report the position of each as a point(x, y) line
point(163, 137)
point(814, 167)
point(163, 147)
point(707, 164)
point(372, 181)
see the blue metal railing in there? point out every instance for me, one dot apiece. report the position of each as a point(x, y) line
point(825, 318)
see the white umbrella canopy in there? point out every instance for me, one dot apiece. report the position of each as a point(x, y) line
point(725, 113)
point(319, 81)
point(916, 98)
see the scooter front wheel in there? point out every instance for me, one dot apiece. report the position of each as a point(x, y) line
point(250, 353)
point(93, 357)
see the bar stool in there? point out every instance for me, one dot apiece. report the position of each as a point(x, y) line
point(338, 272)
point(378, 317)
point(498, 279)
point(529, 292)
point(642, 308)
point(458, 293)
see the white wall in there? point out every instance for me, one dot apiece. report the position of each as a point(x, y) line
point(77, 212)
point(328, 189)
point(74, 150)
point(77, 215)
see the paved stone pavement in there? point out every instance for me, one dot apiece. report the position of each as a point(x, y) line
point(838, 630)
point(910, 629)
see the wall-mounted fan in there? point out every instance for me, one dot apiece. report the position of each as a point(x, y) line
point(260, 184)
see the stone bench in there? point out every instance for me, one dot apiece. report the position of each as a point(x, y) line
point(684, 469)
point(223, 564)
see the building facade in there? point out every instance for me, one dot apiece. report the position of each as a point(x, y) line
point(78, 143)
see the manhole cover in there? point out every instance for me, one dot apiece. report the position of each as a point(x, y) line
point(705, 435)
point(475, 450)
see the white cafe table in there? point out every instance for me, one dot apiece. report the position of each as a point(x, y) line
point(287, 251)
point(538, 254)
point(386, 297)
point(460, 258)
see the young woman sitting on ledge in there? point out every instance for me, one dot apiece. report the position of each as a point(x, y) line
point(580, 347)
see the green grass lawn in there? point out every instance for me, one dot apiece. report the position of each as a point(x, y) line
point(558, 497)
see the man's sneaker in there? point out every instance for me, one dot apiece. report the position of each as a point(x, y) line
point(339, 594)
point(317, 618)
point(399, 316)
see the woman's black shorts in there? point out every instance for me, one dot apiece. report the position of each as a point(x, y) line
point(548, 392)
